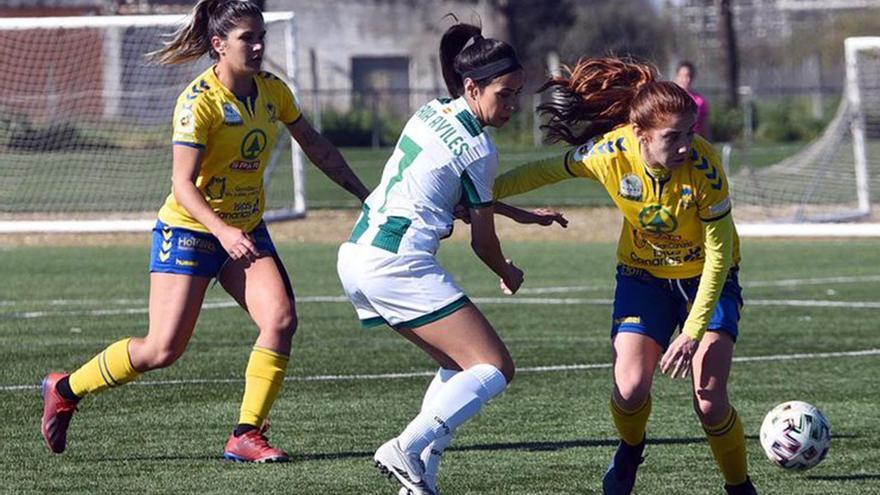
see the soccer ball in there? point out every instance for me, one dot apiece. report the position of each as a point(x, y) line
point(795, 435)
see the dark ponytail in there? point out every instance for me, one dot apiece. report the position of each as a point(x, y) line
point(209, 18)
point(465, 53)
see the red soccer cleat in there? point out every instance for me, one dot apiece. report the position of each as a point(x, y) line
point(253, 446)
point(57, 412)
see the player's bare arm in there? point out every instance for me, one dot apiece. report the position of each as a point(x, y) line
point(327, 158)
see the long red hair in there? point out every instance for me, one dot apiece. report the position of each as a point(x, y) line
point(599, 94)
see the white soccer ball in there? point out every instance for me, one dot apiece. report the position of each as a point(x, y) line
point(795, 435)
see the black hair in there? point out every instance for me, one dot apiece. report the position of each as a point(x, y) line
point(687, 65)
point(465, 53)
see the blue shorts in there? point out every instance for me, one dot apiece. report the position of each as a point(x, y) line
point(189, 252)
point(657, 306)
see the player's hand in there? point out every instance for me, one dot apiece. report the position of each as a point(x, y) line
point(461, 212)
point(512, 280)
point(238, 244)
point(547, 216)
point(676, 362)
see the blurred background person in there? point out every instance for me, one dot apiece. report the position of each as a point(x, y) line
point(684, 77)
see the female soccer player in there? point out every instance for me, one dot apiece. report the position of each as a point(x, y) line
point(678, 251)
point(388, 266)
point(211, 225)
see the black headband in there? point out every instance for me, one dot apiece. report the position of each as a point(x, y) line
point(493, 69)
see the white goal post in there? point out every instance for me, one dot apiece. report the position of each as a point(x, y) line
point(85, 122)
point(827, 188)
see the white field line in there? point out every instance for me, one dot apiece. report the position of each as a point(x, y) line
point(417, 374)
point(23, 315)
point(792, 282)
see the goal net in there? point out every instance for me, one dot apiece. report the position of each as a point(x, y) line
point(85, 122)
point(828, 187)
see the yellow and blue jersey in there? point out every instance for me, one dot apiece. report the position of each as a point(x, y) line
point(663, 210)
point(236, 139)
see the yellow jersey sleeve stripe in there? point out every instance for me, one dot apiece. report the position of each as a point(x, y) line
point(294, 121)
point(567, 166)
point(197, 146)
point(715, 219)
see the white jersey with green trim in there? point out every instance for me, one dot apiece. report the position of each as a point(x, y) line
point(443, 158)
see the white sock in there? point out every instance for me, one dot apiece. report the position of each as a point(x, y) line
point(442, 376)
point(432, 454)
point(461, 398)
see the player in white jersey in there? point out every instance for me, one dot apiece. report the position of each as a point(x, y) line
point(388, 267)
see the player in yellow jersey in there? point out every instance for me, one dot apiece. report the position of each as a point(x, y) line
point(211, 225)
point(678, 253)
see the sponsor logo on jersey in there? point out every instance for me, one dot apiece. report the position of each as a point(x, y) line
point(657, 219)
point(694, 254)
point(241, 210)
point(245, 165)
point(216, 188)
point(253, 144)
point(643, 240)
point(231, 115)
point(631, 187)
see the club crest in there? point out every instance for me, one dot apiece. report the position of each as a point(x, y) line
point(231, 115)
point(631, 187)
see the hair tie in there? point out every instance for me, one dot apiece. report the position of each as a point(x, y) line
point(473, 39)
point(492, 69)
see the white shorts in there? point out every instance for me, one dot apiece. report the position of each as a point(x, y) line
point(400, 290)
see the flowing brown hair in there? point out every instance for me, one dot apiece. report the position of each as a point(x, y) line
point(599, 94)
point(209, 18)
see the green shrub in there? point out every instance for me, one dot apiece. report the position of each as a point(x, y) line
point(786, 120)
point(356, 127)
point(726, 123)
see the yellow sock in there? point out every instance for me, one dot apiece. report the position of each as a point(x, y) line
point(263, 379)
point(728, 442)
point(631, 424)
point(111, 368)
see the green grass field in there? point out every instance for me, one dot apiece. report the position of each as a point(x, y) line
point(132, 180)
point(550, 433)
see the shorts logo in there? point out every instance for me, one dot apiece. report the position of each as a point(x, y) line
point(657, 219)
point(216, 188)
point(253, 144)
point(631, 187)
point(180, 262)
point(231, 115)
point(165, 251)
point(628, 319)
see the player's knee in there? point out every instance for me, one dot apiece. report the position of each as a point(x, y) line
point(162, 357)
point(710, 405)
point(508, 369)
point(632, 390)
point(283, 322)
